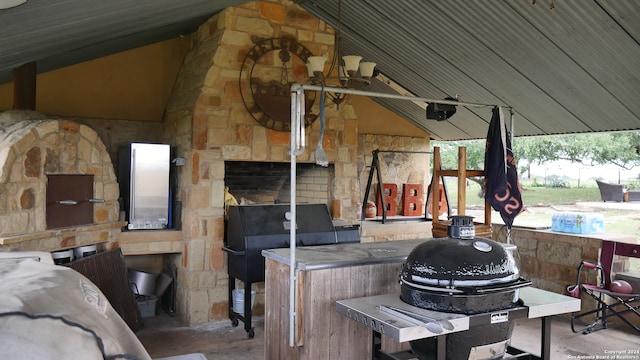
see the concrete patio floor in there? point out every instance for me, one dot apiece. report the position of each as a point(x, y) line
point(163, 336)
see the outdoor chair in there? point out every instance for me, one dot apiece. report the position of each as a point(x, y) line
point(611, 192)
point(607, 303)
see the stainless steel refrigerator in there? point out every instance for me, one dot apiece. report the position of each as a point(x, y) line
point(144, 185)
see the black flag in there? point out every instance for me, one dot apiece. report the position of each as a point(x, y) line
point(502, 190)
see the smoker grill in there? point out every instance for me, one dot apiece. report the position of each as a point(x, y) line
point(463, 274)
point(253, 228)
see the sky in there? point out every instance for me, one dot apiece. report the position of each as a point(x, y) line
point(610, 173)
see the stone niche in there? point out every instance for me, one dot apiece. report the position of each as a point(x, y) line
point(31, 149)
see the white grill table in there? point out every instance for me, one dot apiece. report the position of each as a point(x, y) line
point(537, 303)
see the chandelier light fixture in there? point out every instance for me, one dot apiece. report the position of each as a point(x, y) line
point(345, 71)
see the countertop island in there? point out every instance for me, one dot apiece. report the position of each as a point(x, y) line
point(343, 255)
point(324, 275)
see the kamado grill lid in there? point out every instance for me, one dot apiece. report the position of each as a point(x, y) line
point(446, 264)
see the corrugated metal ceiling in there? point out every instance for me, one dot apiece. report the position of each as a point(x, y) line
point(573, 69)
point(65, 32)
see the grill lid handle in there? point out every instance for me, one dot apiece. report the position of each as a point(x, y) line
point(433, 325)
point(233, 252)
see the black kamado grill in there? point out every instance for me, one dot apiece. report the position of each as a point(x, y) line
point(468, 275)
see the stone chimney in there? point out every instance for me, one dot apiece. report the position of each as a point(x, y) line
point(208, 123)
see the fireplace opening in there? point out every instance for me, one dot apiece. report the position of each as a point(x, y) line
point(269, 182)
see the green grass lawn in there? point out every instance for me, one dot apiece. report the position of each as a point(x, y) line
point(533, 196)
point(542, 202)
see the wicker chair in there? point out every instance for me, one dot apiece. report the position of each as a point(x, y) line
point(611, 192)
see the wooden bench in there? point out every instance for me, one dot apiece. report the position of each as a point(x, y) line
point(632, 195)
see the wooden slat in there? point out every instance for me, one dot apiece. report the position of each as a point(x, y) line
point(462, 180)
point(271, 314)
point(340, 284)
point(107, 270)
point(360, 287)
point(318, 319)
point(454, 173)
point(276, 310)
point(300, 307)
point(325, 333)
point(435, 188)
point(487, 213)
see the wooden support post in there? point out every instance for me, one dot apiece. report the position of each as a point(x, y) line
point(462, 180)
point(440, 227)
point(435, 189)
point(24, 87)
point(487, 213)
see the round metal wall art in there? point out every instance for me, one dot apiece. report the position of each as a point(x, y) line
point(266, 75)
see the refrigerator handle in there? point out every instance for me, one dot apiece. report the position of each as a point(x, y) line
point(132, 188)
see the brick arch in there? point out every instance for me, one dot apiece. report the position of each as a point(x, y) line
point(32, 149)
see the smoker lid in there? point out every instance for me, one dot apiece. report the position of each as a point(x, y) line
point(275, 219)
point(451, 263)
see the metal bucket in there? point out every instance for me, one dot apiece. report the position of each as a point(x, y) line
point(142, 282)
point(86, 250)
point(62, 256)
point(238, 300)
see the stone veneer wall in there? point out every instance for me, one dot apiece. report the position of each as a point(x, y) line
point(115, 133)
point(29, 151)
point(397, 167)
point(550, 259)
point(411, 164)
point(207, 121)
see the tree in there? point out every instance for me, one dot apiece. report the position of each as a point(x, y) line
point(618, 148)
point(449, 153)
point(621, 149)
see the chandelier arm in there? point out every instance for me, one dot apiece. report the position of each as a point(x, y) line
point(335, 58)
point(337, 46)
point(337, 75)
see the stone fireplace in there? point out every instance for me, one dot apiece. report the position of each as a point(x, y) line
point(208, 124)
point(31, 151)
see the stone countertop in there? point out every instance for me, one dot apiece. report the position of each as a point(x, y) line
point(343, 255)
point(13, 239)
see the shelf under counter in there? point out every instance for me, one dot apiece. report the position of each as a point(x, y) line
point(148, 242)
